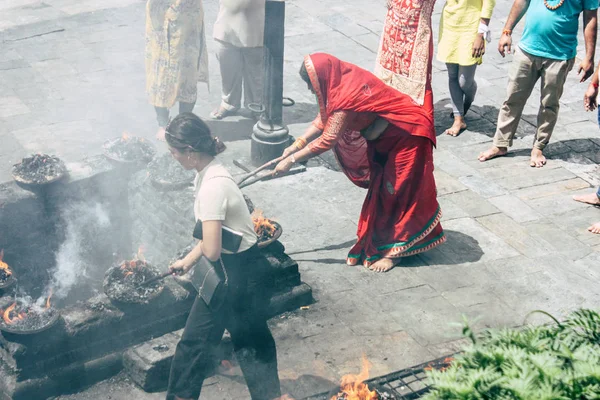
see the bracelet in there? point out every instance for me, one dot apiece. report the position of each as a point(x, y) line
point(300, 143)
point(596, 85)
point(507, 32)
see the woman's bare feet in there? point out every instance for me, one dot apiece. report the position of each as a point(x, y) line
point(160, 135)
point(457, 127)
point(595, 228)
point(383, 265)
point(591, 198)
point(537, 159)
point(492, 152)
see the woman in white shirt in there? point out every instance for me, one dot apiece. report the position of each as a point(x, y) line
point(219, 203)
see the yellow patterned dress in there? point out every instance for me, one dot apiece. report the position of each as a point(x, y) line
point(176, 55)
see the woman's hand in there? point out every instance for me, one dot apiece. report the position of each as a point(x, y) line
point(283, 166)
point(478, 46)
point(590, 98)
point(290, 150)
point(180, 267)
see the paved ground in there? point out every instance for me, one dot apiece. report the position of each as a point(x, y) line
point(71, 76)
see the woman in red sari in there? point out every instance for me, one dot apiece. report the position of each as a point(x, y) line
point(383, 140)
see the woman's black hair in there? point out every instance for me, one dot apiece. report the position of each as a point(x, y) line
point(304, 75)
point(188, 132)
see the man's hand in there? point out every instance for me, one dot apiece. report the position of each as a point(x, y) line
point(590, 98)
point(587, 67)
point(478, 46)
point(505, 44)
point(180, 267)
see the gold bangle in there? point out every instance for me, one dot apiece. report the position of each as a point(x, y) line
point(300, 143)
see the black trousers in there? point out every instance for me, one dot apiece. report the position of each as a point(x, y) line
point(162, 114)
point(243, 315)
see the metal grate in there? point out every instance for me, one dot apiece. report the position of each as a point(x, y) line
point(407, 384)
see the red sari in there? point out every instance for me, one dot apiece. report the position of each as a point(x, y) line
point(400, 215)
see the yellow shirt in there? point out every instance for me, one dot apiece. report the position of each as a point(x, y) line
point(458, 29)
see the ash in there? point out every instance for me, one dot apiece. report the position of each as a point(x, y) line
point(125, 289)
point(130, 150)
point(36, 318)
point(166, 170)
point(39, 169)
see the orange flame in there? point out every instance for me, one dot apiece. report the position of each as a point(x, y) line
point(140, 253)
point(125, 137)
point(10, 316)
point(48, 299)
point(262, 225)
point(285, 397)
point(352, 387)
point(4, 266)
point(128, 273)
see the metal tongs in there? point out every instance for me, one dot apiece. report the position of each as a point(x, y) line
point(155, 279)
point(243, 182)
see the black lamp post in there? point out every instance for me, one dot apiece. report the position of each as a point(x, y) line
point(270, 136)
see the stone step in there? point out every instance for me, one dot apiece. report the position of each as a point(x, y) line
point(148, 364)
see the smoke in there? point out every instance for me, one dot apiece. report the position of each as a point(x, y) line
point(71, 261)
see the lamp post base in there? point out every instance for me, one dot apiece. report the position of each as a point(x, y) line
point(268, 142)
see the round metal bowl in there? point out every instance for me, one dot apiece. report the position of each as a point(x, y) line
point(49, 324)
point(33, 186)
point(112, 157)
point(276, 235)
point(8, 283)
point(121, 297)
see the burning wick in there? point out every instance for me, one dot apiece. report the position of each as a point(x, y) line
point(125, 137)
point(4, 266)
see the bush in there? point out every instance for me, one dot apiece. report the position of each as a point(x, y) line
point(553, 362)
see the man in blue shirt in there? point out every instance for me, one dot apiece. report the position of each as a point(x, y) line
point(547, 50)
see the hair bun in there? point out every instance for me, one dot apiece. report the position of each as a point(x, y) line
point(219, 146)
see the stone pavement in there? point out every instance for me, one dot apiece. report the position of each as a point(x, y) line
point(71, 76)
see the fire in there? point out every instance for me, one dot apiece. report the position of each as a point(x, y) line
point(48, 299)
point(262, 225)
point(125, 137)
point(352, 387)
point(4, 266)
point(140, 253)
point(10, 316)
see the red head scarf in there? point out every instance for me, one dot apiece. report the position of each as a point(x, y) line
point(341, 86)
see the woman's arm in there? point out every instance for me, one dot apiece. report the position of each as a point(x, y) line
point(311, 133)
point(337, 123)
point(210, 247)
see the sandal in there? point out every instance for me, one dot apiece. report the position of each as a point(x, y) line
point(221, 113)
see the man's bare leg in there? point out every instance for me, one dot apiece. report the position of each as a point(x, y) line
point(492, 152)
point(384, 265)
point(591, 198)
point(537, 159)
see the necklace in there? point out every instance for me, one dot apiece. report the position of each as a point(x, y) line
point(552, 8)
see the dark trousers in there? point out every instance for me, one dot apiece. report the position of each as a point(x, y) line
point(162, 114)
point(243, 315)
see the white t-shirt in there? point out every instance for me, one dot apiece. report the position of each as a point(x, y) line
point(218, 198)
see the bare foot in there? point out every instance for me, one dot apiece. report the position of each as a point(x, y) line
point(160, 135)
point(591, 198)
point(492, 152)
point(537, 159)
point(384, 265)
point(457, 127)
point(595, 228)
